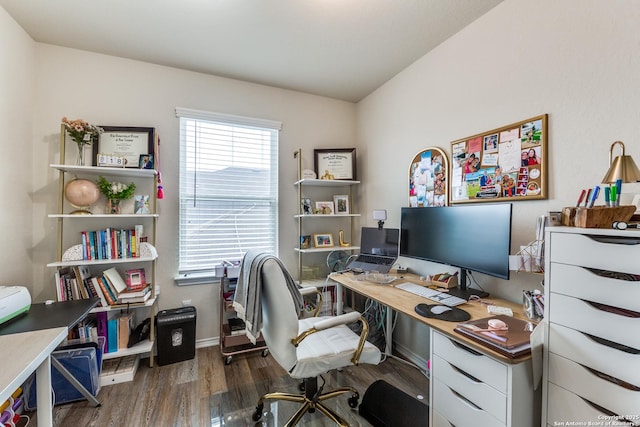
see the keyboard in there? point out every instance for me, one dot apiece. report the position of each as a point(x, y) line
point(375, 260)
point(432, 294)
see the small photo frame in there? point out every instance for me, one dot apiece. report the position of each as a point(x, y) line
point(325, 208)
point(305, 241)
point(305, 206)
point(135, 279)
point(141, 204)
point(146, 161)
point(341, 204)
point(323, 240)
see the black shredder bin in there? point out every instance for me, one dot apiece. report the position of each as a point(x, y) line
point(176, 335)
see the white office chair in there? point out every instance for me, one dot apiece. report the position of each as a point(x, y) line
point(308, 347)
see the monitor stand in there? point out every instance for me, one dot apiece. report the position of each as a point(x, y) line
point(462, 291)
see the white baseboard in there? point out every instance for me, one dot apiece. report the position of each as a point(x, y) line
point(208, 342)
point(412, 357)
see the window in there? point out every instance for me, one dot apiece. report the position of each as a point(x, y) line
point(228, 190)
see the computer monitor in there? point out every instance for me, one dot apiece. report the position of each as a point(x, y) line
point(470, 237)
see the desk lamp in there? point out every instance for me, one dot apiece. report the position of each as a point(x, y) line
point(622, 167)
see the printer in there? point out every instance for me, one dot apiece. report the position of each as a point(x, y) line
point(14, 300)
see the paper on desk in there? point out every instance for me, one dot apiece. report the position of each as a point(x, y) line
point(537, 341)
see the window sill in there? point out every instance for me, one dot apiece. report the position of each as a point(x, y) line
point(196, 279)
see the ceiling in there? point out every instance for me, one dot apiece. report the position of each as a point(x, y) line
point(342, 49)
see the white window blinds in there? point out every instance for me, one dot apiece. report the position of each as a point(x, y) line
point(228, 190)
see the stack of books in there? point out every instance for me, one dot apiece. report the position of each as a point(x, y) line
point(237, 326)
point(512, 342)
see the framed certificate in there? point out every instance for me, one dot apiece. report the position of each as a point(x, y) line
point(125, 142)
point(338, 163)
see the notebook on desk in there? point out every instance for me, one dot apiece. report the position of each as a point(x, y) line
point(378, 249)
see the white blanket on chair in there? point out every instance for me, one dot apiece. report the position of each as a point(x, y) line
point(248, 297)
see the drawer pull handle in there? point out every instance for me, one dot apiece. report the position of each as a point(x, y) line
point(612, 379)
point(465, 400)
point(466, 374)
point(607, 412)
point(614, 310)
point(617, 275)
point(612, 344)
point(615, 240)
point(465, 348)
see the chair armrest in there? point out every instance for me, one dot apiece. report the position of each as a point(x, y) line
point(331, 322)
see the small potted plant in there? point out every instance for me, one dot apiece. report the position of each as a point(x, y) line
point(115, 192)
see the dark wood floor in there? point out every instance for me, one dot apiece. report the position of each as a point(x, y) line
point(206, 392)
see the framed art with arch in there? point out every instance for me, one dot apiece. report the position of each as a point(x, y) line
point(428, 178)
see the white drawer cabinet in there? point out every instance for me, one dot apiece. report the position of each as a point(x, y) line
point(592, 341)
point(470, 388)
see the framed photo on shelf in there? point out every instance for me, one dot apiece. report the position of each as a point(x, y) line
point(135, 279)
point(146, 161)
point(305, 205)
point(341, 204)
point(125, 141)
point(337, 163)
point(305, 241)
point(505, 164)
point(141, 204)
point(325, 208)
point(323, 240)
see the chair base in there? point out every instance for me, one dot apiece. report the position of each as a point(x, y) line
point(311, 401)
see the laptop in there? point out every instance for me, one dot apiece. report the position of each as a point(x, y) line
point(378, 249)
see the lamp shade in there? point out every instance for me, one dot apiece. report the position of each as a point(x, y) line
point(622, 167)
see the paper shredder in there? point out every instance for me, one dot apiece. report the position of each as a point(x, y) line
point(176, 334)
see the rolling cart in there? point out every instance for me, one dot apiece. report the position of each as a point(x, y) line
point(233, 339)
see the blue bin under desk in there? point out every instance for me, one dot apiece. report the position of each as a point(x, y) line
point(82, 363)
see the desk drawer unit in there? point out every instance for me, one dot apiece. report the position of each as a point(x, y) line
point(470, 388)
point(592, 344)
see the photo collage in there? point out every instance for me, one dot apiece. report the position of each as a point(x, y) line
point(506, 163)
point(428, 179)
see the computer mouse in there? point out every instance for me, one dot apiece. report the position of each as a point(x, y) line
point(497, 324)
point(439, 309)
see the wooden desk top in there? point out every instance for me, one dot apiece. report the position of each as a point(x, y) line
point(405, 302)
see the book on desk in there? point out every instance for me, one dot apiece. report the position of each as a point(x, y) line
point(512, 342)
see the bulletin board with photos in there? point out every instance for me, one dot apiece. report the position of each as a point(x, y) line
point(508, 163)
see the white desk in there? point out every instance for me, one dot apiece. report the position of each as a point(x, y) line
point(22, 354)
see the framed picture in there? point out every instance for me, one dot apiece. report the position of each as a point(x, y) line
point(338, 163)
point(504, 164)
point(341, 204)
point(324, 208)
point(305, 242)
point(428, 183)
point(323, 240)
point(146, 161)
point(135, 279)
point(127, 142)
point(141, 204)
point(305, 206)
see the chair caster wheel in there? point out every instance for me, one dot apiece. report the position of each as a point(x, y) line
point(265, 353)
point(227, 360)
point(353, 401)
point(258, 412)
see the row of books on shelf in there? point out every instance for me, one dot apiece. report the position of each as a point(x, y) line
point(112, 243)
point(116, 330)
point(73, 283)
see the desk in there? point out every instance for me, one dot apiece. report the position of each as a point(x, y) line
point(470, 384)
point(34, 350)
point(63, 314)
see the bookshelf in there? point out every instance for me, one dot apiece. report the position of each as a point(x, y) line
point(71, 252)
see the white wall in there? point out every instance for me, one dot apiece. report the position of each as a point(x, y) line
point(576, 60)
point(113, 91)
point(17, 68)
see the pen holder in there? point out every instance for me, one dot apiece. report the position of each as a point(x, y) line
point(597, 216)
point(448, 282)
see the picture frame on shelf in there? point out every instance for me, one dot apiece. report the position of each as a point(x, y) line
point(135, 278)
point(323, 240)
point(146, 161)
point(325, 207)
point(305, 241)
point(305, 205)
point(336, 163)
point(125, 141)
point(341, 204)
point(141, 204)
